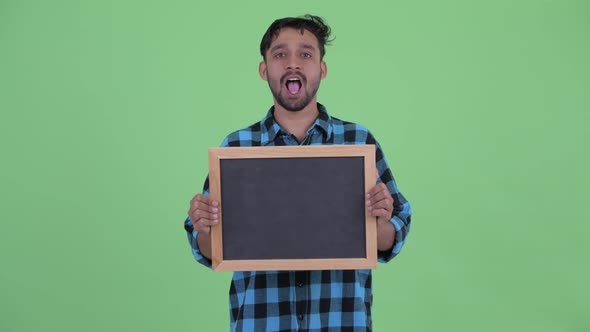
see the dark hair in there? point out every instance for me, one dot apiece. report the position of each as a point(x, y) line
point(313, 24)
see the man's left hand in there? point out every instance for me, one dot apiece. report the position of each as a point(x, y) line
point(380, 205)
point(380, 202)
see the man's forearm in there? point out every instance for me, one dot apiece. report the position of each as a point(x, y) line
point(385, 235)
point(204, 242)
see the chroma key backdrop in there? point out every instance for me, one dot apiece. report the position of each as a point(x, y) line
point(107, 109)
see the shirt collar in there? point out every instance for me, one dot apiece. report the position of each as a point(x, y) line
point(270, 128)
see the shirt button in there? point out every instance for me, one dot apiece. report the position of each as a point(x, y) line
point(300, 284)
point(300, 317)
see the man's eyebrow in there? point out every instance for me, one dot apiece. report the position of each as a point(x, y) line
point(277, 46)
point(309, 46)
point(284, 45)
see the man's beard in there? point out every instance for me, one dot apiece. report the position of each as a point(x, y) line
point(298, 104)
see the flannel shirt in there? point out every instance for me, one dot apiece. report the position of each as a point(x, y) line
point(328, 300)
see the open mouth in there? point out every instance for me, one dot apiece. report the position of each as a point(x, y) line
point(293, 85)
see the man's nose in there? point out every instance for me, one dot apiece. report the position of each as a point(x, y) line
point(293, 63)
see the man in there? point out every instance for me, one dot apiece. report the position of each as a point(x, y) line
point(334, 300)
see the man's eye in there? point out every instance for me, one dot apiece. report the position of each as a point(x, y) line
point(279, 55)
point(306, 55)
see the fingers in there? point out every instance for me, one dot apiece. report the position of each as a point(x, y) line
point(201, 210)
point(203, 213)
point(380, 202)
point(386, 204)
point(203, 226)
point(378, 188)
point(204, 199)
point(381, 213)
point(379, 194)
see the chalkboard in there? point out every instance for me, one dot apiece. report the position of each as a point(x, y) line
point(293, 207)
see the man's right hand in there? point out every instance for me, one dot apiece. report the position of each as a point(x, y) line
point(203, 212)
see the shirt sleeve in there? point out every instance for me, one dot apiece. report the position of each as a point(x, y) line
point(402, 212)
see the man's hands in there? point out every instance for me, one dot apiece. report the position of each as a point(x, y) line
point(380, 205)
point(203, 212)
point(380, 202)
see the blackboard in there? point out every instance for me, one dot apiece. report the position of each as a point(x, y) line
point(293, 208)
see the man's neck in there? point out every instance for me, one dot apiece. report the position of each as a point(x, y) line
point(297, 123)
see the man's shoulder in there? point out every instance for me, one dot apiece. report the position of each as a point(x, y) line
point(350, 132)
point(348, 124)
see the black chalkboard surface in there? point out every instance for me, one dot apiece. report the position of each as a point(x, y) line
point(293, 208)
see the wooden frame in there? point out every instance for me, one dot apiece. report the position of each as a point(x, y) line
point(217, 155)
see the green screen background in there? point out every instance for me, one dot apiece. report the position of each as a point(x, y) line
point(108, 108)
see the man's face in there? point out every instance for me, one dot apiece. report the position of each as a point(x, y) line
point(293, 68)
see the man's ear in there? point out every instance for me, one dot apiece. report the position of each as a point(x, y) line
point(324, 69)
point(262, 70)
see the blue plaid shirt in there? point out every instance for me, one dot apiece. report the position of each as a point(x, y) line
point(328, 300)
